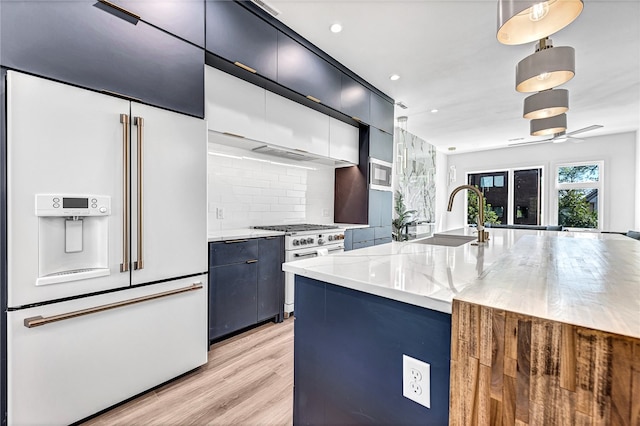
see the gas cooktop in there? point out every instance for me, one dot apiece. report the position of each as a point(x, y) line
point(297, 227)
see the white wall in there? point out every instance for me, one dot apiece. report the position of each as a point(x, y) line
point(621, 180)
point(262, 193)
point(637, 221)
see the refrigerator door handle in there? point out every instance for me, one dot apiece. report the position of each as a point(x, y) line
point(139, 123)
point(38, 321)
point(126, 182)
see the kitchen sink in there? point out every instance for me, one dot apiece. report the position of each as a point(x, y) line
point(446, 240)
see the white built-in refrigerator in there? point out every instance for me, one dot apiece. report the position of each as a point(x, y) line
point(107, 249)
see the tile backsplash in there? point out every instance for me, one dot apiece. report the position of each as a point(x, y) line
point(247, 189)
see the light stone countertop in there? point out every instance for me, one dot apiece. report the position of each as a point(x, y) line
point(582, 278)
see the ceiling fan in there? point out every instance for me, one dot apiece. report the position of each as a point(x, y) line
point(561, 137)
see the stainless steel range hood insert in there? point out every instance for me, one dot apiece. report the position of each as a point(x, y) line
point(284, 153)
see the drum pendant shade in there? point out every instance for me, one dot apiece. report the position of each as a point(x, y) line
point(524, 21)
point(548, 103)
point(549, 126)
point(545, 69)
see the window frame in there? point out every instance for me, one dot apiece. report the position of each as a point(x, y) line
point(510, 194)
point(599, 185)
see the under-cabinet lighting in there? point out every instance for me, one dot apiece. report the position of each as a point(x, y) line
point(292, 165)
point(219, 154)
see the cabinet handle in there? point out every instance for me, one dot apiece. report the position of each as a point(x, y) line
point(39, 320)
point(252, 261)
point(139, 123)
point(120, 9)
point(311, 98)
point(235, 241)
point(233, 134)
point(245, 67)
point(126, 228)
point(357, 118)
point(271, 238)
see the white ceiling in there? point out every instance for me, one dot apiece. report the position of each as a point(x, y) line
point(449, 59)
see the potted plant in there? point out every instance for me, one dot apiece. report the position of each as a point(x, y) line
point(402, 218)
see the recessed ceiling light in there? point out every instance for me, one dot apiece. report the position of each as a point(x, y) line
point(336, 28)
point(394, 77)
point(434, 111)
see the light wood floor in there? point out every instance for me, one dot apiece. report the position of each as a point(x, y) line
point(247, 381)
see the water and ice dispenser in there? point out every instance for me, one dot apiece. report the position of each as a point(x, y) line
point(73, 234)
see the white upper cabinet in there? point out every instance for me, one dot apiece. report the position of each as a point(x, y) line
point(343, 141)
point(234, 106)
point(297, 127)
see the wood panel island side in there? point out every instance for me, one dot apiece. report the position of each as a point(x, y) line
point(535, 327)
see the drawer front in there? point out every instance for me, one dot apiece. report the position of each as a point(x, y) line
point(382, 232)
point(233, 251)
point(362, 234)
point(363, 244)
point(66, 370)
point(385, 240)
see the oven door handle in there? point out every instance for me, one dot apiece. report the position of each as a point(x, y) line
point(312, 254)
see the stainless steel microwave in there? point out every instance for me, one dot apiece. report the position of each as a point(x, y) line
point(380, 173)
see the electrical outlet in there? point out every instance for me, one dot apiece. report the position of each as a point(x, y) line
point(219, 213)
point(325, 212)
point(416, 380)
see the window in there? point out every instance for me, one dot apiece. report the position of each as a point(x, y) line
point(579, 195)
point(511, 196)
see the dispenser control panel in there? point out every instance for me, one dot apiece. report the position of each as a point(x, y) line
point(72, 205)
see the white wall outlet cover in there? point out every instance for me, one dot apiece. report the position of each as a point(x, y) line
point(416, 380)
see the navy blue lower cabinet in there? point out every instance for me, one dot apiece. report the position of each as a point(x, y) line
point(384, 240)
point(363, 244)
point(270, 278)
point(246, 284)
point(348, 351)
point(233, 293)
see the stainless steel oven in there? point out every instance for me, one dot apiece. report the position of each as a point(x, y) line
point(380, 173)
point(304, 241)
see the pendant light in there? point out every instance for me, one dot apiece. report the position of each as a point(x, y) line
point(524, 21)
point(548, 67)
point(545, 104)
point(549, 126)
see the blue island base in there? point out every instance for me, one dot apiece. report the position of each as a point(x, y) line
point(348, 351)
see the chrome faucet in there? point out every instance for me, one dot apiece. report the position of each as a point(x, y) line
point(482, 235)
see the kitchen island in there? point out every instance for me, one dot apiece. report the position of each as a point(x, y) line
point(359, 311)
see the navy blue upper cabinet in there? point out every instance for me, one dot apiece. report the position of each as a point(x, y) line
point(354, 99)
point(183, 18)
point(381, 112)
point(303, 71)
point(380, 145)
point(91, 45)
point(238, 35)
point(380, 207)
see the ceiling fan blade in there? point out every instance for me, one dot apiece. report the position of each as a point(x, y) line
point(585, 129)
point(530, 142)
point(575, 140)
